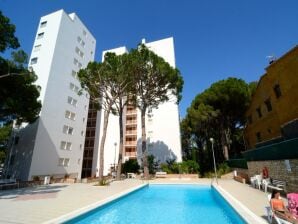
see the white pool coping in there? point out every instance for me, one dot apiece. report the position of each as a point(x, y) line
point(90, 207)
point(242, 210)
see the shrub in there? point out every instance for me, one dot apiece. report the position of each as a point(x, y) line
point(36, 178)
point(189, 166)
point(130, 166)
point(223, 168)
point(152, 164)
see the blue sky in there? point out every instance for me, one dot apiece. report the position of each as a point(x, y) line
point(214, 39)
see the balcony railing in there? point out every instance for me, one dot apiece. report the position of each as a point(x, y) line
point(133, 143)
point(131, 121)
point(131, 154)
point(131, 132)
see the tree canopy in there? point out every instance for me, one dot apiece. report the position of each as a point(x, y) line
point(7, 37)
point(154, 82)
point(218, 112)
point(18, 93)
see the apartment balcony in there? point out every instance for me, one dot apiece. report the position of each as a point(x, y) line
point(130, 122)
point(130, 143)
point(131, 154)
point(131, 132)
point(131, 112)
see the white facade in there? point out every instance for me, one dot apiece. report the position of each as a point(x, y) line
point(62, 46)
point(162, 127)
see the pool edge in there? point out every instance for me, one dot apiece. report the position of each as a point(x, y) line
point(241, 209)
point(85, 209)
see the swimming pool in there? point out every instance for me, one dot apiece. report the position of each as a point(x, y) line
point(175, 204)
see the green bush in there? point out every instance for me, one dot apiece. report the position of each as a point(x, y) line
point(152, 164)
point(223, 168)
point(130, 166)
point(189, 166)
point(170, 167)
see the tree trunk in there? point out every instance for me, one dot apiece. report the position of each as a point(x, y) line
point(102, 144)
point(120, 143)
point(144, 150)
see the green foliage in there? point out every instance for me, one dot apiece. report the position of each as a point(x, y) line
point(130, 166)
point(18, 93)
point(223, 168)
point(152, 164)
point(217, 112)
point(4, 136)
point(103, 182)
point(7, 31)
point(189, 167)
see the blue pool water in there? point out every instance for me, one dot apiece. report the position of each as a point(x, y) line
point(158, 204)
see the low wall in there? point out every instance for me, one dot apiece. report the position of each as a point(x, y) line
point(277, 170)
point(191, 176)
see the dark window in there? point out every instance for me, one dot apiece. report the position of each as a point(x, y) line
point(43, 24)
point(249, 119)
point(16, 140)
point(33, 61)
point(40, 35)
point(268, 104)
point(277, 90)
point(259, 112)
point(258, 135)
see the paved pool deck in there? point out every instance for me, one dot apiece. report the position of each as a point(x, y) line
point(45, 204)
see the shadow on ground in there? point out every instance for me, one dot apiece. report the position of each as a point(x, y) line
point(43, 189)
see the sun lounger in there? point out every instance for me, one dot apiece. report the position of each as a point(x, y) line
point(271, 215)
point(160, 174)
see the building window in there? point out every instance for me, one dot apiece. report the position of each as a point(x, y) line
point(34, 61)
point(67, 130)
point(63, 145)
point(268, 104)
point(259, 112)
point(277, 91)
point(43, 24)
point(79, 52)
point(75, 61)
point(82, 133)
point(70, 115)
point(84, 33)
point(66, 161)
point(74, 74)
point(37, 48)
point(40, 35)
point(80, 65)
point(73, 87)
point(63, 162)
point(258, 135)
point(72, 101)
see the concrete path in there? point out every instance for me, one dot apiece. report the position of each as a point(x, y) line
point(44, 203)
point(41, 204)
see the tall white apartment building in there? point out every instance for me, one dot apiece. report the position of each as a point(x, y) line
point(53, 145)
point(162, 125)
